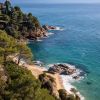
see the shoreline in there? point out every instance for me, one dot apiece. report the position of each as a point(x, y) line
point(47, 34)
point(37, 70)
point(67, 81)
point(62, 81)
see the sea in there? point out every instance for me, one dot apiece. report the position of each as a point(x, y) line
point(77, 44)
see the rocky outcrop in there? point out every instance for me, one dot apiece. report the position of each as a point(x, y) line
point(47, 27)
point(62, 69)
point(65, 96)
point(37, 33)
point(41, 32)
point(49, 83)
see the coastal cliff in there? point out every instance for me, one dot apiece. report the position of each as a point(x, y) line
point(19, 81)
point(18, 24)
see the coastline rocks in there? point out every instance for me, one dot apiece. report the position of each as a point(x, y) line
point(76, 77)
point(47, 27)
point(40, 32)
point(73, 90)
point(62, 69)
point(49, 83)
point(37, 34)
point(65, 96)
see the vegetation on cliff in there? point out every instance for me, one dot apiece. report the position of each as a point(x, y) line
point(16, 82)
point(9, 46)
point(21, 85)
point(18, 24)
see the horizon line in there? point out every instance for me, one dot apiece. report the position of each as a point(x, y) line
point(60, 3)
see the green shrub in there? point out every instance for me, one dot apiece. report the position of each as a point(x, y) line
point(22, 85)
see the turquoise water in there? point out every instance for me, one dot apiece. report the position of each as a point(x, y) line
point(78, 43)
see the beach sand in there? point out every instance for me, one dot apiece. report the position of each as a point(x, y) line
point(36, 71)
point(62, 82)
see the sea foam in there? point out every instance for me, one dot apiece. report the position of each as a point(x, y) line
point(57, 29)
point(67, 80)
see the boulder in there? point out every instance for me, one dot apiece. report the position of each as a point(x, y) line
point(47, 27)
point(49, 83)
point(76, 77)
point(64, 95)
point(36, 34)
point(62, 69)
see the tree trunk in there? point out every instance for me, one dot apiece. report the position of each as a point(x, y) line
point(4, 58)
point(19, 58)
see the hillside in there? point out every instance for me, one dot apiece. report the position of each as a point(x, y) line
point(18, 24)
point(17, 82)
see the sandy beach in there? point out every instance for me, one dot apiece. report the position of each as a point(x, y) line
point(36, 71)
point(62, 82)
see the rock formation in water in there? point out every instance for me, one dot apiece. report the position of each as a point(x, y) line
point(62, 69)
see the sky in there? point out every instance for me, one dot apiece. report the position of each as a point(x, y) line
point(54, 1)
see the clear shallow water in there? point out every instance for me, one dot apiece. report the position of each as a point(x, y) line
point(78, 43)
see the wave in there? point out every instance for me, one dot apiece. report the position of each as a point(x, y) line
point(49, 33)
point(31, 41)
point(39, 40)
point(67, 80)
point(57, 29)
point(67, 83)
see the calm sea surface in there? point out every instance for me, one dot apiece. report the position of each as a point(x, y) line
point(78, 43)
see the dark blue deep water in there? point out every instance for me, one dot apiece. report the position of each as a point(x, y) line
point(78, 43)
